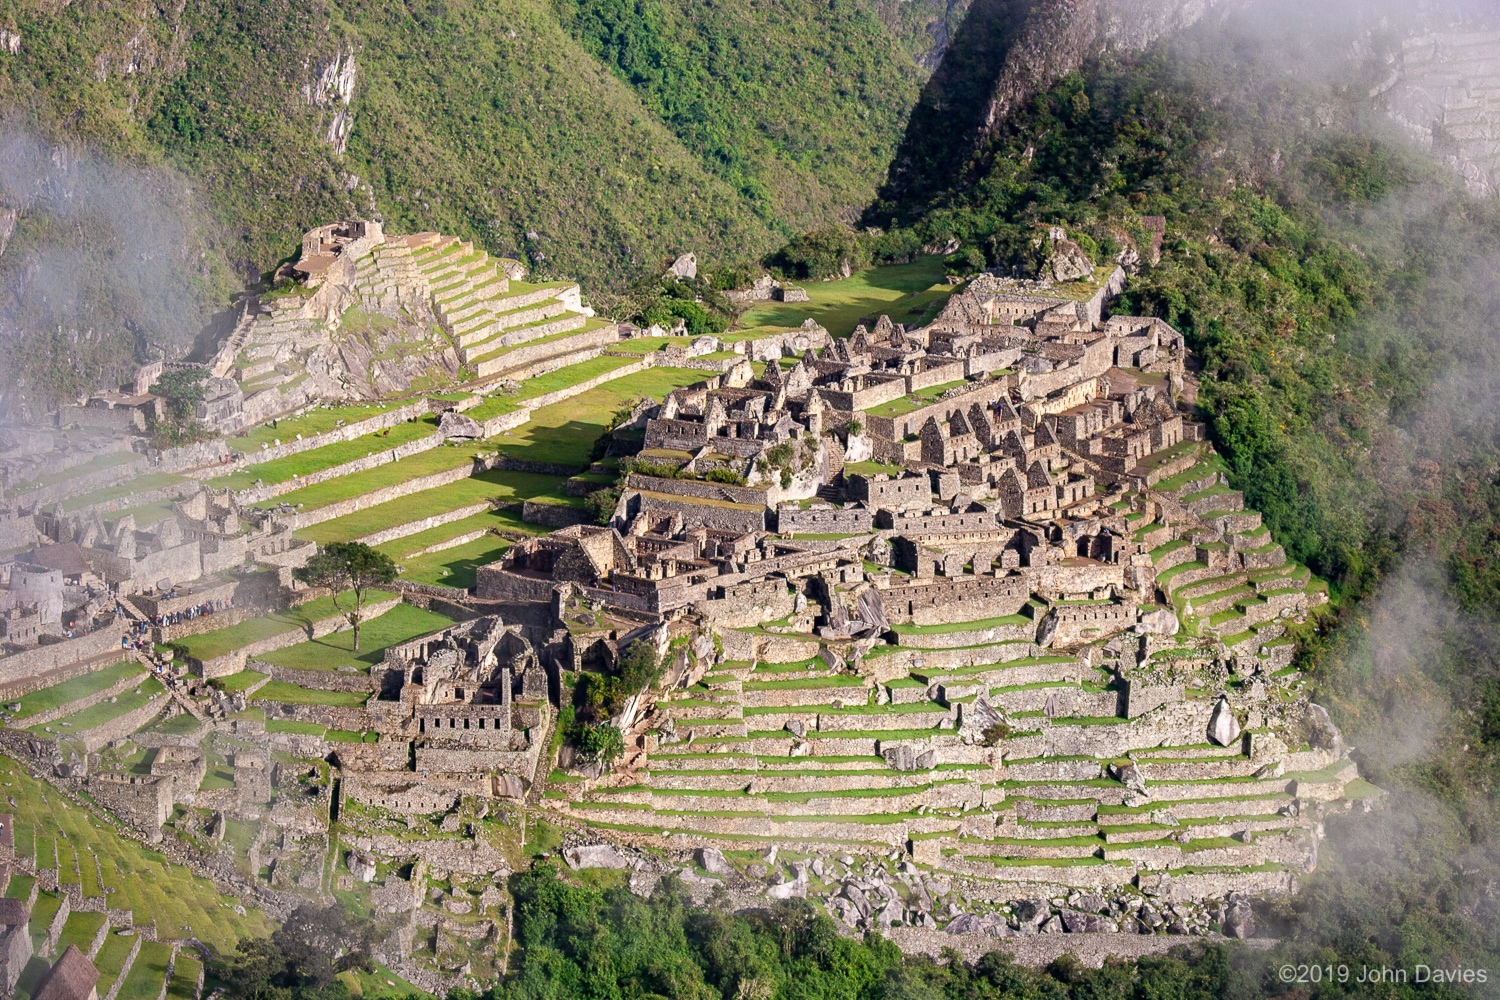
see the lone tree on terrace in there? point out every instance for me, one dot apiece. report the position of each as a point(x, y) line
point(345, 566)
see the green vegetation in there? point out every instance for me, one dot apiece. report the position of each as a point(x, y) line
point(142, 880)
point(350, 569)
point(564, 433)
point(317, 459)
point(332, 652)
point(908, 293)
point(98, 714)
point(490, 485)
point(207, 645)
point(291, 694)
point(79, 687)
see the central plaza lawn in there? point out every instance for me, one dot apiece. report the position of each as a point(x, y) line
point(494, 484)
point(104, 711)
point(318, 421)
point(292, 694)
point(207, 645)
point(400, 624)
point(78, 687)
point(317, 459)
point(143, 880)
point(564, 433)
point(908, 293)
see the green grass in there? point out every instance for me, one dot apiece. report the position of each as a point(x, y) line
point(425, 463)
point(318, 421)
point(455, 567)
point(494, 484)
point(293, 695)
point(908, 293)
point(79, 929)
point(207, 645)
point(401, 623)
point(317, 459)
point(104, 711)
point(98, 463)
point(241, 681)
point(564, 433)
point(552, 381)
point(185, 970)
point(111, 959)
point(983, 623)
point(78, 687)
point(146, 976)
point(294, 727)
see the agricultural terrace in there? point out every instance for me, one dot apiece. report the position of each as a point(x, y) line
point(89, 854)
point(207, 645)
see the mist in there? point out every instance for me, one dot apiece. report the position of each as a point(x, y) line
point(104, 266)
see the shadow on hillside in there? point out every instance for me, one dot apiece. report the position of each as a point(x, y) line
point(941, 133)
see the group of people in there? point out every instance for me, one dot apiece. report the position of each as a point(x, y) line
point(139, 635)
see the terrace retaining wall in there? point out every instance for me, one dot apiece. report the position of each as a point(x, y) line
point(318, 680)
point(28, 664)
point(514, 419)
point(123, 725)
point(374, 498)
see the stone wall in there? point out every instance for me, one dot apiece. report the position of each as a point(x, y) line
point(123, 725)
point(214, 456)
point(80, 483)
point(755, 495)
point(701, 514)
point(793, 519)
point(947, 601)
point(553, 515)
point(19, 667)
point(318, 680)
point(536, 351)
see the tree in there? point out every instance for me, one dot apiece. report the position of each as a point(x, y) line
point(598, 742)
point(348, 566)
point(181, 388)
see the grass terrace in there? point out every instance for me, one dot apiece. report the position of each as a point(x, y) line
point(79, 687)
point(493, 484)
point(98, 463)
point(207, 645)
point(983, 623)
point(317, 459)
point(908, 293)
point(104, 711)
point(333, 652)
point(317, 421)
point(140, 484)
point(440, 459)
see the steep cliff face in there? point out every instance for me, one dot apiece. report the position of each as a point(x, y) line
point(1059, 36)
point(1004, 53)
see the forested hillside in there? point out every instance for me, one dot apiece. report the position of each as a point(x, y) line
point(593, 140)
